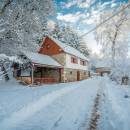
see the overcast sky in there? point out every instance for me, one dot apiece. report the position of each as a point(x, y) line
point(81, 14)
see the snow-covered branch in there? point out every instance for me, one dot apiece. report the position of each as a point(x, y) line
point(22, 23)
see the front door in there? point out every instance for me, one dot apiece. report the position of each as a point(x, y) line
point(60, 74)
point(78, 75)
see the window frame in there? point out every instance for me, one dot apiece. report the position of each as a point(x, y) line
point(83, 62)
point(74, 60)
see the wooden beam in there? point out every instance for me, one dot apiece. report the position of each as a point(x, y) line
point(32, 74)
point(60, 75)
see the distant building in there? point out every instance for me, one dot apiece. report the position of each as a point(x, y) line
point(102, 68)
point(103, 71)
point(54, 62)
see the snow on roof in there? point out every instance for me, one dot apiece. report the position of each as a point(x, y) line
point(102, 63)
point(68, 49)
point(42, 59)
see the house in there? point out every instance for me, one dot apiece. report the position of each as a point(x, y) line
point(43, 69)
point(54, 62)
point(102, 68)
point(103, 71)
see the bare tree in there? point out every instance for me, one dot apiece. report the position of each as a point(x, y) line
point(113, 32)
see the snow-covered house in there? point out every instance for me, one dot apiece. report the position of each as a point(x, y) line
point(55, 62)
point(103, 67)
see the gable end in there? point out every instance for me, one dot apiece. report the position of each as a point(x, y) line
point(49, 47)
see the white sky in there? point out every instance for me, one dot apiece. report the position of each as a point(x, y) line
point(91, 43)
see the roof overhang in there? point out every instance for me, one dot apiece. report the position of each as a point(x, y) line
point(42, 60)
point(45, 65)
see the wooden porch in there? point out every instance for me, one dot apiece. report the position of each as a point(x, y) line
point(46, 75)
point(40, 75)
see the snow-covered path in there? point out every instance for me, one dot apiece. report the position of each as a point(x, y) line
point(61, 107)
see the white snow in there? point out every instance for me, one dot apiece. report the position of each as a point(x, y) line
point(65, 106)
point(115, 108)
point(34, 107)
point(41, 59)
point(50, 107)
point(2, 30)
point(68, 49)
point(10, 58)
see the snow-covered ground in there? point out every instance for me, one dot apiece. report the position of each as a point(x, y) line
point(115, 107)
point(65, 106)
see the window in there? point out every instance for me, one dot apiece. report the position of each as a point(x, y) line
point(82, 62)
point(74, 60)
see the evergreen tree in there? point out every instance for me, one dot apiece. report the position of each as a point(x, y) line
point(69, 36)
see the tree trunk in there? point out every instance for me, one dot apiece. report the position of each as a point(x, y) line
point(113, 54)
point(113, 46)
point(4, 72)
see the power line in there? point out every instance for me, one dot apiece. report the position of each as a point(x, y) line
point(104, 21)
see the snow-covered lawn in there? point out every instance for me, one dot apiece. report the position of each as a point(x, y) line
point(65, 106)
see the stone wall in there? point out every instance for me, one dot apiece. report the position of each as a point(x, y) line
point(84, 74)
point(70, 75)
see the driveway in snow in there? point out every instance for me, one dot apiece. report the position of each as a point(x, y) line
point(51, 107)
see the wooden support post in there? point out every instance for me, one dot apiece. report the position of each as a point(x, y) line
point(60, 75)
point(41, 75)
point(32, 74)
point(41, 72)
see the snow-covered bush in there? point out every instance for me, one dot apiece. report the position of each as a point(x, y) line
point(6, 63)
point(121, 70)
